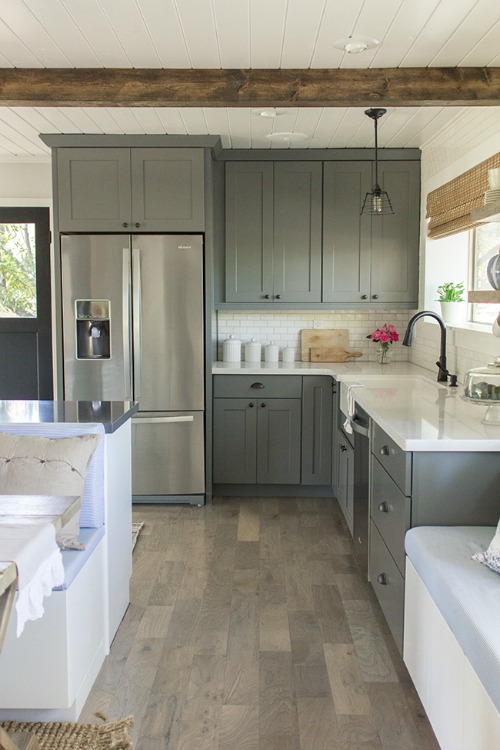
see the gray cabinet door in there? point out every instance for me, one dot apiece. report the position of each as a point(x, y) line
point(345, 477)
point(93, 187)
point(249, 231)
point(317, 400)
point(278, 441)
point(297, 232)
point(167, 189)
point(235, 441)
point(395, 237)
point(346, 235)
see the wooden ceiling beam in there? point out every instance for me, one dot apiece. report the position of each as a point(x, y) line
point(123, 87)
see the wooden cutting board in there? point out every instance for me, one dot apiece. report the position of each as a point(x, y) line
point(332, 355)
point(322, 338)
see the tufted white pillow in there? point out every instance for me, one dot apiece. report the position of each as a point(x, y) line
point(491, 557)
point(32, 465)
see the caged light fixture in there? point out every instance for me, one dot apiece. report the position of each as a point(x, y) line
point(377, 202)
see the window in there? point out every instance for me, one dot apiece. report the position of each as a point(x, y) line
point(485, 243)
point(18, 271)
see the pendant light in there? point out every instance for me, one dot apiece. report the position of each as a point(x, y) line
point(377, 202)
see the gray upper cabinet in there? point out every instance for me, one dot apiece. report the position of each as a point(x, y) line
point(370, 259)
point(119, 189)
point(273, 231)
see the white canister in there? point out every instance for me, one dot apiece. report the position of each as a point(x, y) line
point(231, 350)
point(253, 351)
point(288, 354)
point(271, 352)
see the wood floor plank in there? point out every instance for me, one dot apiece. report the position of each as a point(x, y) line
point(161, 725)
point(393, 718)
point(199, 726)
point(174, 670)
point(155, 622)
point(249, 522)
point(241, 683)
point(274, 632)
point(298, 580)
point(331, 614)
point(243, 636)
point(358, 733)
point(317, 724)
point(183, 626)
point(278, 705)
point(239, 728)
point(167, 583)
point(206, 682)
point(346, 680)
point(368, 640)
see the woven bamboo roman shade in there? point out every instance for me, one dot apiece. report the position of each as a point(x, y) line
point(449, 206)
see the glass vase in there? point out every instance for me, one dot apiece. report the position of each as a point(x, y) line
point(383, 354)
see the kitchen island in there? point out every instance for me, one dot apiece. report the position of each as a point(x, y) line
point(108, 503)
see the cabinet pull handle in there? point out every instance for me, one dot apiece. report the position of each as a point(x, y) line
point(375, 296)
point(384, 451)
point(257, 385)
point(383, 507)
point(383, 579)
point(278, 296)
point(262, 406)
point(125, 224)
point(343, 448)
point(137, 224)
point(251, 405)
point(266, 296)
point(364, 296)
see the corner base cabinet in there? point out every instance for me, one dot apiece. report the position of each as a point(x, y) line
point(272, 430)
point(421, 489)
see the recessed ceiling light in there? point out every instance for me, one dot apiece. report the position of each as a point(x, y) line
point(355, 45)
point(287, 137)
point(268, 112)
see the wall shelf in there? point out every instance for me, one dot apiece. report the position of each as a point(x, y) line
point(488, 296)
point(490, 212)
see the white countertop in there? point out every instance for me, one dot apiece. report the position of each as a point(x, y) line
point(416, 411)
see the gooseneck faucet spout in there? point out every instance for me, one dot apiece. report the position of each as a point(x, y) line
point(443, 373)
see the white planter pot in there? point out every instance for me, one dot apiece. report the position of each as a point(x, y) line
point(454, 313)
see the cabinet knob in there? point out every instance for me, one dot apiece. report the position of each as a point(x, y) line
point(278, 296)
point(364, 296)
point(266, 296)
point(125, 224)
point(384, 451)
point(262, 406)
point(137, 224)
point(343, 448)
point(251, 405)
point(383, 579)
point(383, 507)
point(258, 385)
point(374, 296)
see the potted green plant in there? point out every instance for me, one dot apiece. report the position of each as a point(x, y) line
point(453, 303)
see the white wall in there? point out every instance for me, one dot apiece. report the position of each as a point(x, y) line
point(472, 138)
point(25, 184)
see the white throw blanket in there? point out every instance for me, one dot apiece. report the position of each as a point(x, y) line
point(34, 550)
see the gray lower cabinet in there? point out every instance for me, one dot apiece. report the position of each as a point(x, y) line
point(257, 441)
point(144, 189)
point(370, 259)
point(273, 231)
point(421, 489)
point(345, 477)
point(272, 430)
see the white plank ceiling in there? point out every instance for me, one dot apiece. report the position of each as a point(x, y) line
point(240, 34)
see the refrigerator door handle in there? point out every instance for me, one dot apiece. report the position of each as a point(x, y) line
point(127, 322)
point(153, 420)
point(136, 272)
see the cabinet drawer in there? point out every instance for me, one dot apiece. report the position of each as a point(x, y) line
point(395, 461)
point(258, 386)
point(388, 584)
point(390, 510)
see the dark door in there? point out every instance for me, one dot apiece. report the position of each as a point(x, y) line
point(25, 304)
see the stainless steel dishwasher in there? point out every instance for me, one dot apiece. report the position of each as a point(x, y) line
point(360, 423)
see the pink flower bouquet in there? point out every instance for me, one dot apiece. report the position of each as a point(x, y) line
point(384, 336)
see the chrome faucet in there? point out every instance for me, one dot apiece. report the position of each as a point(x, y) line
point(443, 373)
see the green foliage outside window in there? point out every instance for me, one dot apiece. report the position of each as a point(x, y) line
point(17, 271)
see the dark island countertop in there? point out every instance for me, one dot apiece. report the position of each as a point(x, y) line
point(111, 414)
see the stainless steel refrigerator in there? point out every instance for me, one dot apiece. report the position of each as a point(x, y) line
point(133, 328)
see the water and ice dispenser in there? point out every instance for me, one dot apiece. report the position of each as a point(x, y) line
point(92, 329)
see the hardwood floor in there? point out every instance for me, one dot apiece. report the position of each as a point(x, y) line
point(250, 628)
